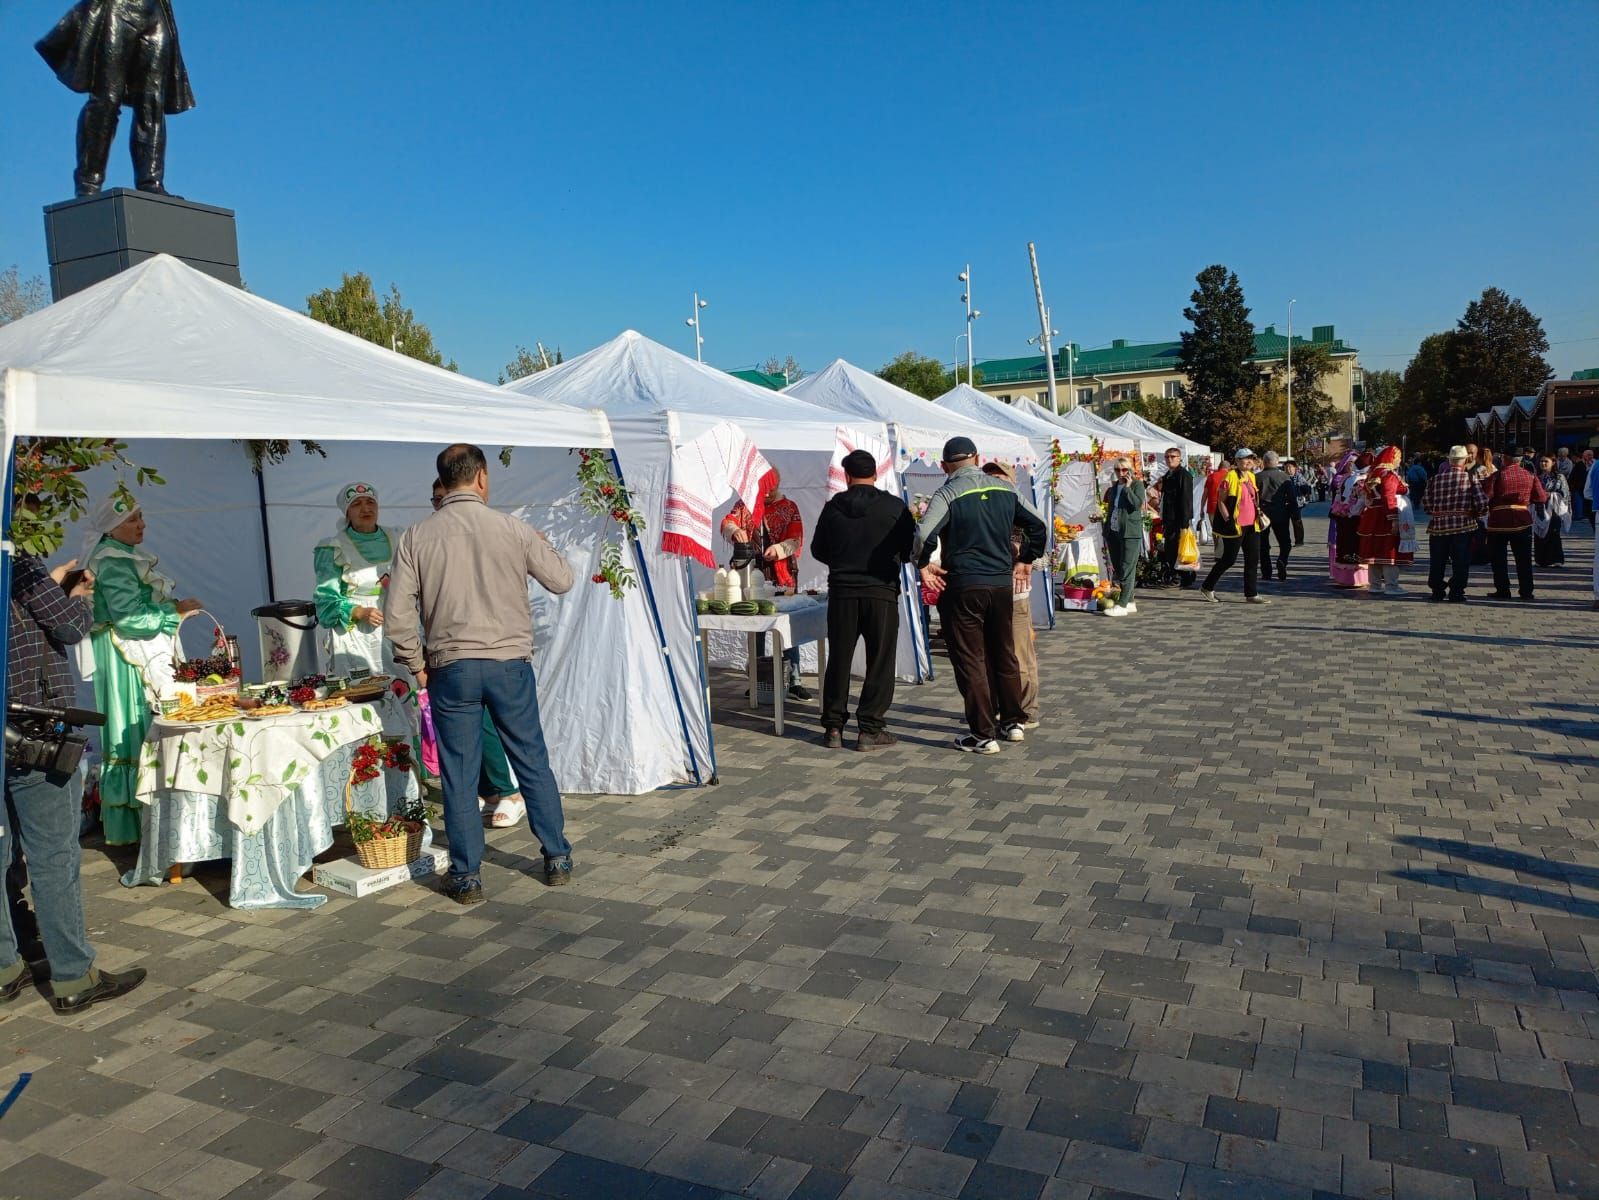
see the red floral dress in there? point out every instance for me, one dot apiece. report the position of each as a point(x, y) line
point(1379, 520)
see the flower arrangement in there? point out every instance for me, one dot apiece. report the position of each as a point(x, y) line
point(408, 820)
point(602, 494)
point(919, 503)
point(374, 755)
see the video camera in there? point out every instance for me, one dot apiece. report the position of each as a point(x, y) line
point(40, 739)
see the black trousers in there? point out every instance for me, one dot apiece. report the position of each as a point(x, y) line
point(1451, 551)
point(1227, 555)
point(1500, 546)
point(979, 626)
point(874, 620)
point(1283, 532)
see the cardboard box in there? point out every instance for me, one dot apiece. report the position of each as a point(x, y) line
point(349, 878)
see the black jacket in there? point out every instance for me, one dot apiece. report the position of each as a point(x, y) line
point(1177, 499)
point(864, 536)
point(1277, 498)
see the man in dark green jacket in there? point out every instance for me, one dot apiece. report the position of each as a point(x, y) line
point(972, 516)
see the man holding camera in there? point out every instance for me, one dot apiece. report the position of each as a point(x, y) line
point(44, 811)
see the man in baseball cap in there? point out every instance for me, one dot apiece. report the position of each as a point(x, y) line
point(971, 518)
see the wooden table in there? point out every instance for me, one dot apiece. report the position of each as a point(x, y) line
point(788, 627)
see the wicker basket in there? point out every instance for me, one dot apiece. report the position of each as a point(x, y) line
point(379, 853)
point(205, 691)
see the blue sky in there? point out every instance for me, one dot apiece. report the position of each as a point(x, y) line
point(822, 171)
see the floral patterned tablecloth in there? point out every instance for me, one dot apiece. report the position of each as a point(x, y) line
point(253, 765)
point(264, 794)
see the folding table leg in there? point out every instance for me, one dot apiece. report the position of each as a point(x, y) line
point(779, 684)
point(754, 673)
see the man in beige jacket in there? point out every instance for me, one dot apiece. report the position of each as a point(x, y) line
point(461, 577)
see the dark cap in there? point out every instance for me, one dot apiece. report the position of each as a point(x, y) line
point(859, 464)
point(958, 448)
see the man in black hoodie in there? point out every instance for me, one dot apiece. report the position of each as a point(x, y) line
point(864, 536)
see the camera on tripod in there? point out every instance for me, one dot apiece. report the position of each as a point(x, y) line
point(41, 739)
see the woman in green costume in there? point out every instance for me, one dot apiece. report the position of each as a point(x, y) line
point(133, 642)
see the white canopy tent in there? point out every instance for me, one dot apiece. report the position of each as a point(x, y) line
point(181, 366)
point(919, 430)
point(656, 400)
point(1154, 439)
point(1110, 436)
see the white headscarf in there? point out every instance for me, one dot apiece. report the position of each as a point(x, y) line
point(103, 518)
point(348, 495)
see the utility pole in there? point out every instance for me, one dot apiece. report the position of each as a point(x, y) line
point(971, 315)
point(1044, 331)
point(543, 357)
point(696, 323)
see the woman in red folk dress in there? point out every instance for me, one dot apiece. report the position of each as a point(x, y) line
point(1386, 499)
point(777, 539)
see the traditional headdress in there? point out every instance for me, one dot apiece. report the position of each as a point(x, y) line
point(1390, 458)
point(103, 518)
point(351, 492)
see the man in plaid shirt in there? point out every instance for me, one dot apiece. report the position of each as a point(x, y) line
point(43, 816)
point(1454, 503)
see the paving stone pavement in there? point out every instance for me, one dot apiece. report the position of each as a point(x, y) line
point(1284, 902)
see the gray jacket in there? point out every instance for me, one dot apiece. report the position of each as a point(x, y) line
point(464, 572)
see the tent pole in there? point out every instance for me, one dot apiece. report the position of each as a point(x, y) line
point(266, 532)
point(660, 634)
point(5, 577)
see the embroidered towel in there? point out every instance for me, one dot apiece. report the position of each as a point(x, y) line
point(704, 472)
point(849, 440)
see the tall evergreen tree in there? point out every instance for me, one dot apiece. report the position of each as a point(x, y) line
point(1497, 353)
point(1217, 355)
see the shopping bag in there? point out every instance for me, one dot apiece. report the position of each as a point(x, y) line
point(1187, 549)
point(430, 737)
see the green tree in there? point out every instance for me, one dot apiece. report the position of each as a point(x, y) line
point(917, 374)
point(354, 307)
point(51, 470)
point(1419, 413)
point(1217, 355)
point(958, 375)
point(19, 296)
point(527, 363)
point(1381, 391)
point(1314, 412)
point(785, 367)
point(1497, 353)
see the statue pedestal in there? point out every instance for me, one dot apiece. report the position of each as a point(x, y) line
point(94, 237)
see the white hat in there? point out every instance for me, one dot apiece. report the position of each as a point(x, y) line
point(351, 492)
point(103, 518)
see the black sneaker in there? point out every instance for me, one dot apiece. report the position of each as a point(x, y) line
point(976, 745)
point(833, 739)
point(798, 691)
point(558, 871)
point(875, 741)
point(465, 891)
point(107, 985)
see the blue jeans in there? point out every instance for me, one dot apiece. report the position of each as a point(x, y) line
point(1452, 551)
point(41, 821)
point(460, 692)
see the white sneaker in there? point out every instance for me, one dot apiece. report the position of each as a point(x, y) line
point(1210, 597)
point(1116, 610)
point(1132, 608)
point(977, 745)
point(1013, 733)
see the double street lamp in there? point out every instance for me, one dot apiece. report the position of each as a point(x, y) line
point(971, 315)
point(696, 323)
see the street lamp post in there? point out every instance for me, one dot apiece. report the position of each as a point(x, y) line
point(1291, 378)
point(696, 323)
point(1042, 342)
point(971, 315)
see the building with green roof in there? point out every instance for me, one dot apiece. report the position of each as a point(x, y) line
point(1124, 370)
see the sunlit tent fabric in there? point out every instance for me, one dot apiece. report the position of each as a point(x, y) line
point(182, 365)
point(656, 400)
point(966, 400)
point(1111, 437)
point(1154, 440)
point(919, 429)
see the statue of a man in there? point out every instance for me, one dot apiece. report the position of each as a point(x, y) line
point(121, 53)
